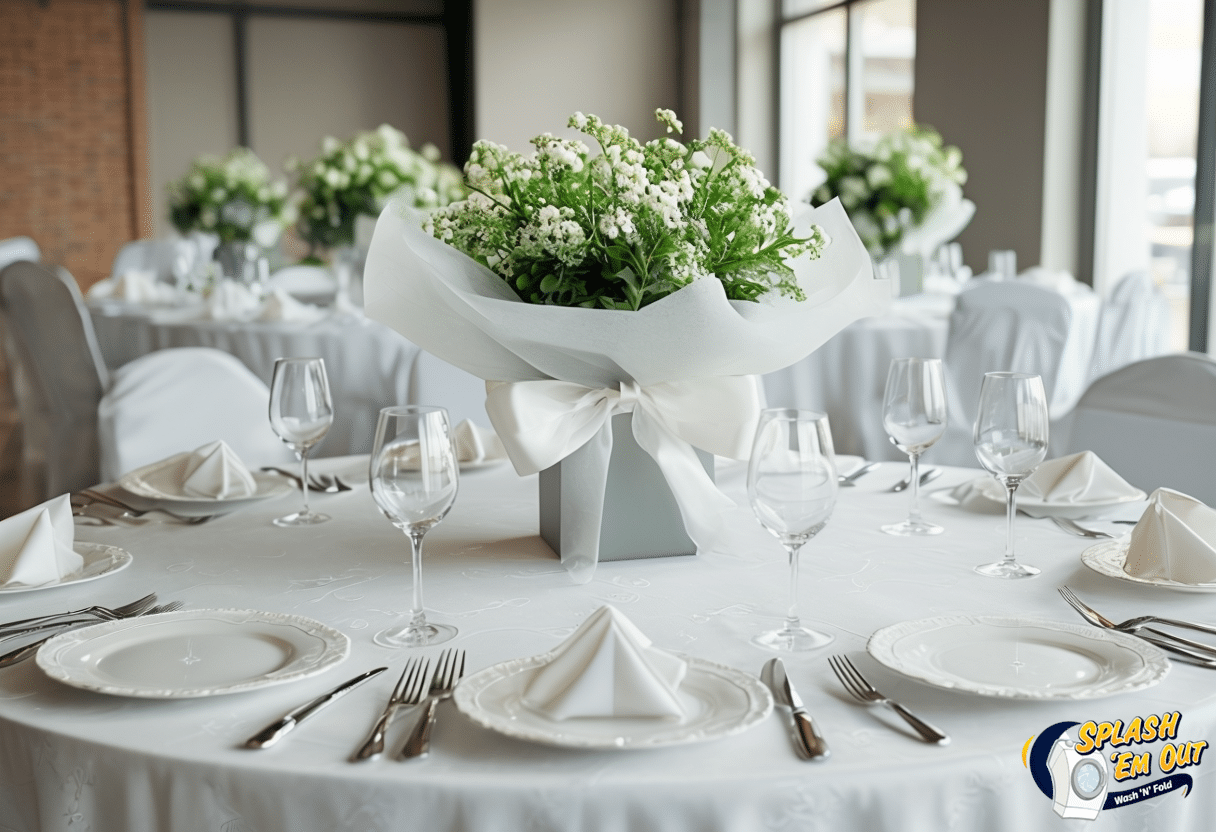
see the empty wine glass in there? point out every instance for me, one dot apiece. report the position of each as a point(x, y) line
point(414, 478)
point(914, 416)
point(791, 482)
point(301, 412)
point(1010, 441)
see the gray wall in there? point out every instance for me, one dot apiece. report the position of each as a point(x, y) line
point(981, 81)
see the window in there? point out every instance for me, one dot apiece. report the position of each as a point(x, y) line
point(846, 72)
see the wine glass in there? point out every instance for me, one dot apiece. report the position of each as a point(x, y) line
point(791, 482)
point(301, 412)
point(1010, 441)
point(414, 478)
point(914, 416)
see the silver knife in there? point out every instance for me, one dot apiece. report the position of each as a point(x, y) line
point(851, 479)
point(811, 744)
point(276, 730)
point(927, 477)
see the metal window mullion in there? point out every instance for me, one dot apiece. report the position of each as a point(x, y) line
point(1202, 251)
point(854, 89)
point(240, 50)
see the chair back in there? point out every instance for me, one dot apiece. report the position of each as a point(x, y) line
point(1001, 326)
point(313, 284)
point(434, 381)
point(167, 258)
point(1134, 325)
point(176, 400)
point(63, 375)
point(1154, 422)
point(18, 248)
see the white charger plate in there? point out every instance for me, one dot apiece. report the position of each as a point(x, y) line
point(1018, 658)
point(192, 653)
point(268, 487)
point(719, 700)
point(1109, 557)
point(99, 560)
point(990, 489)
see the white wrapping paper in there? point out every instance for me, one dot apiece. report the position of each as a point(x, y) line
point(453, 307)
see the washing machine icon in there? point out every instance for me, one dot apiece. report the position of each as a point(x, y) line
point(1079, 782)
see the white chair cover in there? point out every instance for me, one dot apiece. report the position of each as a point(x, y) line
point(1012, 326)
point(63, 376)
point(1134, 325)
point(309, 283)
point(18, 248)
point(1154, 422)
point(167, 257)
point(434, 381)
point(175, 400)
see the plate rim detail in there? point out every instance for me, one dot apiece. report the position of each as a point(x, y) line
point(1108, 558)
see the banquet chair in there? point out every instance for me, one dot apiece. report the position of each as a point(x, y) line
point(18, 248)
point(1134, 325)
point(1154, 422)
point(176, 400)
point(62, 373)
point(1008, 326)
point(434, 381)
point(313, 284)
point(164, 257)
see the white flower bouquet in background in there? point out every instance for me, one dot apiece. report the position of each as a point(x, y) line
point(903, 191)
point(664, 278)
point(233, 197)
point(355, 178)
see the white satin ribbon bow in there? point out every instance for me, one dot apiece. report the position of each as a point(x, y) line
point(540, 423)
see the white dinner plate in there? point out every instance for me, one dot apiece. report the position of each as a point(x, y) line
point(99, 561)
point(990, 489)
point(268, 487)
point(192, 653)
point(1109, 557)
point(719, 701)
point(1018, 658)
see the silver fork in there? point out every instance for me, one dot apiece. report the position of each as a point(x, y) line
point(1196, 651)
point(22, 653)
point(447, 674)
point(1080, 531)
point(407, 691)
point(862, 690)
point(131, 511)
point(132, 608)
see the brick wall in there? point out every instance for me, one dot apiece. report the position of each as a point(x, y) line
point(73, 142)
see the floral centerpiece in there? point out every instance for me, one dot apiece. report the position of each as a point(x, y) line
point(232, 197)
point(655, 280)
point(903, 190)
point(628, 226)
point(358, 176)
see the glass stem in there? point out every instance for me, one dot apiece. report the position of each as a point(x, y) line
point(1010, 510)
point(791, 615)
point(304, 478)
point(417, 617)
point(914, 485)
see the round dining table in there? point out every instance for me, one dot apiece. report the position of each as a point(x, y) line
point(73, 759)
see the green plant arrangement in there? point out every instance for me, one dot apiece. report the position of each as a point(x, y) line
point(358, 176)
point(890, 185)
point(232, 197)
point(627, 226)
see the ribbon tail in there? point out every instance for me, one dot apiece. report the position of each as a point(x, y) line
point(583, 516)
point(702, 506)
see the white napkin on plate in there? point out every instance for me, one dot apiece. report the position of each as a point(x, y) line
point(134, 286)
point(476, 444)
point(280, 306)
point(983, 496)
point(36, 545)
point(1077, 478)
point(231, 301)
point(1175, 539)
point(607, 668)
point(211, 472)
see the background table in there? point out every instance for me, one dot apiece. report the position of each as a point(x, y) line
point(368, 364)
point(70, 759)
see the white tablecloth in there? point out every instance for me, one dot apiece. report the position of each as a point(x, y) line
point(73, 760)
point(368, 364)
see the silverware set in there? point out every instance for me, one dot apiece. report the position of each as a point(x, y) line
point(850, 480)
point(323, 483)
point(22, 653)
point(91, 497)
point(1180, 648)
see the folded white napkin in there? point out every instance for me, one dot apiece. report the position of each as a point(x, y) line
point(280, 306)
point(231, 301)
point(36, 545)
point(1077, 478)
point(983, 496)
point(1175, 539)
point(211, 472)
point(476, 444)
point(607, 668)
point(134, 286)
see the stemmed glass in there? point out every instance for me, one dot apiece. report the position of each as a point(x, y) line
point(791, 482)
point(914, 416)
point(414, 478)
point(1010, 441)
point(301, 412)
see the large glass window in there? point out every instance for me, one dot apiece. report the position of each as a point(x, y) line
point(846, 71)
